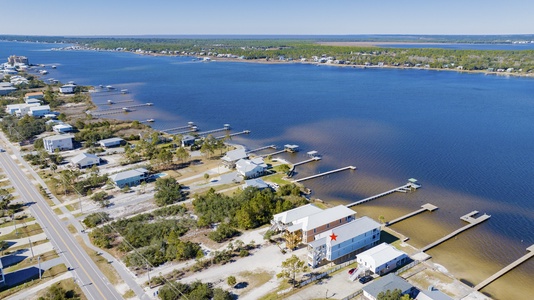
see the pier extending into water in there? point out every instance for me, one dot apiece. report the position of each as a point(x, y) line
point(261, 148)
point(110, 102)
point(412, 185)
point(469, 218)
point(189, 126)
point(116, 110)
point(292, 170)
point(233, 134)
point(424, 207)
point(226, 127)
point(506, 269)
point(325, 173)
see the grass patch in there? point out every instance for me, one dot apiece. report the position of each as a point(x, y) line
point(274, 295)
point(277, 178)
point(30, 262)
point(47, 275)
point(72, 229)
point(10, 223)
point(58, 211)
point(254, 279)
point(70, 207)
point(23, 231)
point(101, 263)
point(128, 294)
point(67, 285)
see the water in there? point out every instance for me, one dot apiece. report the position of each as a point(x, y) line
point(466, 137)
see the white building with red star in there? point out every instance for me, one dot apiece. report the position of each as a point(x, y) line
point(344, 241)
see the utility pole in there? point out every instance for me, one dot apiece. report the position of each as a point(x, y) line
point(31, 247)
point(39, 262)
point(14, 223)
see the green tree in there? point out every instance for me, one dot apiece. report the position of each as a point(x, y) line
point(182, 154)
point(284, 168)
point(168, 191)
point(56, 292)
point(231, 281)
point(3, 246)
point(291, 267)
point(396, 294)
point(206, 176)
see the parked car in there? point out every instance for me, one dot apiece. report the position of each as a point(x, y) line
point(366, 279)
point(352, 270)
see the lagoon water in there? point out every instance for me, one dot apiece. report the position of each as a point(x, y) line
point(468, 138)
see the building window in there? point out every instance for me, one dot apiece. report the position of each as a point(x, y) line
point(327, 225)
point(314, 230)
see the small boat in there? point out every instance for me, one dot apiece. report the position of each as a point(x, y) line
point(125, 109)
point(43, 72)
point(124, 91)
point(53, 66)
point(149, 104)
point(110, 102)
point(109, 87)
point(150, 120)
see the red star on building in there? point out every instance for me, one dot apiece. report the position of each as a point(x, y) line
point(333, 237)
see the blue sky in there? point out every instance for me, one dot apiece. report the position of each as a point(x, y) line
point(135, 17)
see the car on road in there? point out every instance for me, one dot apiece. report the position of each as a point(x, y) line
point(366, 279)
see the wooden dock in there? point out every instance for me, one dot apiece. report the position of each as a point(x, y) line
point(306, 161)
point(188, 126)
point(424, 207)
point(115, 110)
point(261, 148)
point(410, 186)
point(233, 134)
point(506, 269)
point(469, 218)
point(214, 130)
point(324, 174)
point(114, 102)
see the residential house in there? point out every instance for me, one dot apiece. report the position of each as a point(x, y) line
point(39, 111)
point(112, 142)
point(130, 177)
point(389, 282)
point(257, 183)
point(231, 157)
point(382, 259)
point(84, 160)
point(322, 221)
point(20, 109)
point(287, 218)
point(61, 142)
point(67, 88)
point(343, 241)
point(6, 88)
point(251, 168)
point(33, 97)
point(188, 140)
point(62, 128)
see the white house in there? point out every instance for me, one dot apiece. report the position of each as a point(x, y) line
point(61, 142)
point(130, 177)
point(344, 240)
point(285, 219)
point(111, 142)
point(20, 109)
point(33, 97)
point(67, 88)
point(250, 168)
point(62, 128)
point(6, 87)
point(231, 157)
point(39, 111)
point(256, 182)
point(84, 160)
point(382, 259)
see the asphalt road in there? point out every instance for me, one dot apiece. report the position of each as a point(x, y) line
point(91, 280)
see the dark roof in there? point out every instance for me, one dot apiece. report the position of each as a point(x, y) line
point(388, 282)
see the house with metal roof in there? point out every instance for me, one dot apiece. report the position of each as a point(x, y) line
point(382, 259)
point(62, 128)
point(285, 219)
point(67, 88)
point(233, 156)
point(33, 97)
point(39, 111)
point(322, 221)
point(251, 168)
point(188, 140)
point(130, 177)
point(344, 240)
point(257, 183)
point(61, 142)
point(389, 282)
point(84, 160)
point(112, 142)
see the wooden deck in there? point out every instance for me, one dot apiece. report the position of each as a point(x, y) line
point(506, 269)
point(403, 189)
point(467, 218)
point(324, 173)
point(424, 207)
